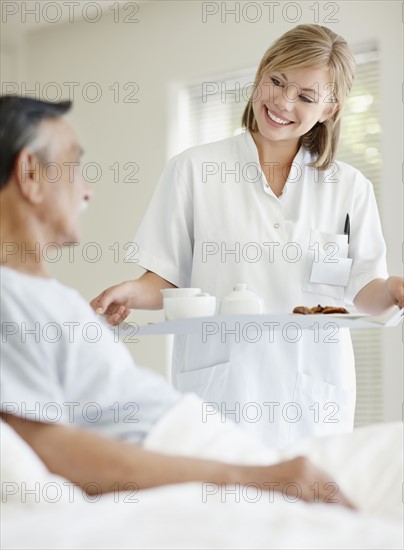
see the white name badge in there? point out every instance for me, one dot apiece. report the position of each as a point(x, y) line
point(331, 273)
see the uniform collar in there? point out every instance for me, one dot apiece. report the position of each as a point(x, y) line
point(302, 156)
point(299, 163)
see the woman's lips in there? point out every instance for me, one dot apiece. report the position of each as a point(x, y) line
point(270, 119)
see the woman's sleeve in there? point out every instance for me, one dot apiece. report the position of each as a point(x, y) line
point(367, 247)
point(166, 234)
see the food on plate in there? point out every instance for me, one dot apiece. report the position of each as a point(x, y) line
point(317, 309)
point(303, 310)
point(332, 309)
point(327, 310)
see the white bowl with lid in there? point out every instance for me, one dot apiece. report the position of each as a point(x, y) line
point(241, 301)
point(186, 307)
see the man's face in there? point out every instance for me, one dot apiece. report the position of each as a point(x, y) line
point(64, 190)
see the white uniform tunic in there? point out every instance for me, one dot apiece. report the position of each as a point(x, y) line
point(214, 222)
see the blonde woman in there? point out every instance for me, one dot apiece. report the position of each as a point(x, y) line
point(271, 208)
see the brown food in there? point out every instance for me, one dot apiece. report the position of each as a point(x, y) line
point(327, 310)
point(303, 310)
point(317, 309)
point(331, 309)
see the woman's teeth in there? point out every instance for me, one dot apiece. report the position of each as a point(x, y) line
point(276, 119)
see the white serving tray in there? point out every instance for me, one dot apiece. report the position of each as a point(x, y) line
point(200, 325)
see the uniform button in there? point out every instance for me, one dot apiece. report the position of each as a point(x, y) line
point(277, 225)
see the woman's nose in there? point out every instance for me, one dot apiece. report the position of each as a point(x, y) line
point(286, 98)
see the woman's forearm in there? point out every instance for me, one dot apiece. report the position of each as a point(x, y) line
point(117, 301)
point(148, 287)
point(380, 295)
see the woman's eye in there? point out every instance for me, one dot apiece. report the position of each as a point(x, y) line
point(275, 81)
point(306, 99)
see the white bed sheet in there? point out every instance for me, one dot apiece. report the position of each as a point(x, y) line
point(176, 517)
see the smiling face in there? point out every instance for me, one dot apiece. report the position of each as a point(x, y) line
point(64, 192)
point(288, 104)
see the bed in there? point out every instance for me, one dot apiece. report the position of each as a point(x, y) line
point(41, 510)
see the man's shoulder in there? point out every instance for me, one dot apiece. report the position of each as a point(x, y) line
point(35, 297)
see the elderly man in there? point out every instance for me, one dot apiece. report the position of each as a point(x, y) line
point(55, 384)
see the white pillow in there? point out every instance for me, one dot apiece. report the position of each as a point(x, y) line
point(24, 477)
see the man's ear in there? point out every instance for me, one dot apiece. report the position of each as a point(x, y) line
point(330, 110)
point(27, 174)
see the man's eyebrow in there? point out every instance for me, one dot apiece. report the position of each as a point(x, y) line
point(302, 89)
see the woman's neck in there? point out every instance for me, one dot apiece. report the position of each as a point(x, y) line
point(276, 158)
point(280, 153)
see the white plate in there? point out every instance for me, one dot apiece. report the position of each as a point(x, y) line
point(339, 315)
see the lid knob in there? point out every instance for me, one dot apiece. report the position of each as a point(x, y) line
point(240, 287)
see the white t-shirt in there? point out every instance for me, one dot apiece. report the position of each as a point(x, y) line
point(60, 362)
point(214, 222)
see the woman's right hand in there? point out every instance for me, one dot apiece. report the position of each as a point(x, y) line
point(116, 302)
point(143, 293)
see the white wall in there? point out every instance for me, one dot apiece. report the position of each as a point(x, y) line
point(170, 43)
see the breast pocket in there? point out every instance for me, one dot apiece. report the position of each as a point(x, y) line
point(328, 266)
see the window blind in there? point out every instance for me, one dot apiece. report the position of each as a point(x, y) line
point(214, 107)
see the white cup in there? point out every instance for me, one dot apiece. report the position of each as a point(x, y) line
point(180, 292)
point(185, 307)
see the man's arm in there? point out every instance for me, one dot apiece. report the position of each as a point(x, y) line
point(84, 457)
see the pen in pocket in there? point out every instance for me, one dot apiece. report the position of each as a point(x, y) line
point(347, 227)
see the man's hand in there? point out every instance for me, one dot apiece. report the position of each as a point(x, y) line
point(303, 479)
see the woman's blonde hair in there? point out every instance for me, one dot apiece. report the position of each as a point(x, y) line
point(319, 47)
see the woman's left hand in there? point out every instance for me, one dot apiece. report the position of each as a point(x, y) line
point(395, 290)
